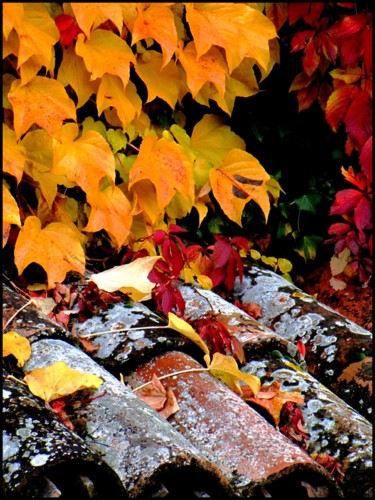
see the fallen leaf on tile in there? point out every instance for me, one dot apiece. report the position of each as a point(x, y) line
point(272, 399)
point(19, 346)
point(59, 380)
point(226, 369)
point(252, 309)
point(160, 399)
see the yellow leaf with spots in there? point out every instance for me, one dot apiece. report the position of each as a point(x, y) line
point(226, 369)
point(19, 346)
point(167, 166)
point(239, 29)
point(13, 154)
point(43, 101)
point(181, 326)
point(84, 161)
point(129, 278)
point(111, 210)
point(156, 21)
point(105, 52)
point(59, 380)
point(209, 67)
point(239, 179)
point(57, 248)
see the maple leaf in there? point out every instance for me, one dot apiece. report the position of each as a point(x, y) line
point(72, 71)
point(163, 31)
point(13, 154)
point(272, 399)
point(94, 52)
point(57, 248)
point(111, 210)
point(18, 346)
point(167, 166)
point(127, 102)
point(239, 29)
point(226, 369)
point(239, 179)
point(209, 67)
point(84, 161)
point(130, 279)
point(160, 399)
point(43, 101)
point(59, 380)
point(11, 213)
point(90, 16)
point(165, 82)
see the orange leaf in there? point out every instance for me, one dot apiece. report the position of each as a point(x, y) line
point(57, 248)
point(43, 101)
point(84, 161)
point(95, 53)
point(238, 180)
point(272, 398)
point(167, 166)
point(59, 380)
point(156, 21)
point(111, 210)
point(239, 29)
point(91, 15)
point(160, 399)
point(19, 346)
point(11, 213)
point(13, 154)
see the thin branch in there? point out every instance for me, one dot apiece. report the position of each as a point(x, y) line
point(15, 314)
point(124, 330)
point(10, 377)
point(191, 370)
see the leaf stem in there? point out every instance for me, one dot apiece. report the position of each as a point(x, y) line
point(124, 330)
point(15, 314)
point(191, 370)
point(10, 377)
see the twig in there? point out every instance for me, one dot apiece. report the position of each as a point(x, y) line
point(124, 330)
point(10, 377)
point(15, 314)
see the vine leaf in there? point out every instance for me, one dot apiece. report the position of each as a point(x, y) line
point(181, 326)
point(11, 213)
point(163, 31)
point(57, 248)
point(13, 154)
point(90, 16)
point(239, 179)
point(130, 279)
point(59, 380)
point(160, 399)
point(226, 369)
point(19, 346)
point(43, 101)
point(227, 25)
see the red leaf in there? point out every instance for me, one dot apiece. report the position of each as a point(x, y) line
point(297, 10)
point(68, 28)
point(355, 179)
point(363, 216)
point(221, 253)
point(338, 105)
point(349, 25)
point(173, 228)
point(345, 201)
point(159, 236)
point(315, 10)
point(301, 39)
point(365, 159)
point(252, 309)
point(301, 347)
point(339, 228)
point(358, 120)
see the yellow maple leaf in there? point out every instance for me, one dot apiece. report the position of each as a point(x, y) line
point(59, 380)
point(11, 213)
point(239, 29)
point(111, 210)
point(12, 15)
point(43, 101)
point(128, 278)
point(84, 161)
point(181, 326)
point(238, 180)
point(73, 72)
point(91, 15)
point(127, 102)
point(37, 34)
point(226, 369)
point(19, 346)
point(209, 67)
point(95, 53)
point(156, 21)
point(166, 82)
point(167, 166)
point(146, 202)
point(13, 154)
point(56, 248)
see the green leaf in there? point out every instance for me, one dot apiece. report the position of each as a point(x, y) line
point(117, 139)
point(308, 246)
point(308, 202)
